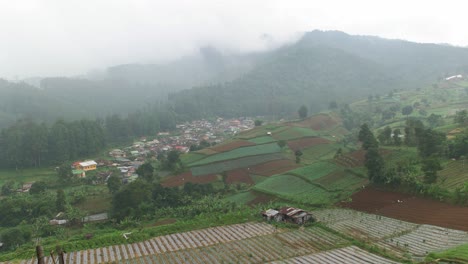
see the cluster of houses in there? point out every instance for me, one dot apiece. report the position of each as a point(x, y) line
point(288, 214)
point(211, 131)
point(128, 159)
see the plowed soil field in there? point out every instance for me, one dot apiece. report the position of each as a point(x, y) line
point(303, 143)
point(319, 122)
point(239, 175)
point(410, 208)
point(273, 167)
point(185, 177)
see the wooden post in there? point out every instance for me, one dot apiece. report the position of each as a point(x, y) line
point(40, 255)
point(59, 251)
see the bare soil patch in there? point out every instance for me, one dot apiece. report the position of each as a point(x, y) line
point(303, 143)
point(261, 199)
point(273, 167)
point(164, 222)
point(185, 177)
point(319, 122)
point(410, 208)
point(239, 175)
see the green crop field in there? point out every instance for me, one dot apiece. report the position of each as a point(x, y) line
point(459, 253)
point(319, 152)
point(262, 140)
point(239, 153)
point(294, 133)
point(294, 189)
point(315, 170)
point(341, 180)
point(27, 175)
point(228, 165)
point(454, 174)
point(261, 131)
point(191, 157)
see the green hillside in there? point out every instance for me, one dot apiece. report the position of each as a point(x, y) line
point(324, 67)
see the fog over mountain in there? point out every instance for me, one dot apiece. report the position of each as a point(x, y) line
point(70, 38)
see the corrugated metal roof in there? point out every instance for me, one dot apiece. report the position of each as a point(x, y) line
point(270, 212)
point(88, 163)
point(290, 211)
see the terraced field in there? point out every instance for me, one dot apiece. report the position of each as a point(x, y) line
point(307, 142)
point(239, 153)
point(241, 243)
point(395, 236)
point(363, 226)
point(293, 188)
point(351, 255)
point(341, 180)
point(454, 174)
point(294, 133)
point(233, 164)
point(315, 170)
point(262, 140)
point(425, 239)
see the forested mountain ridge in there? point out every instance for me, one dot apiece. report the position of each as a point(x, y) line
point(208, 65)
point(319, 68)
point(324, 66)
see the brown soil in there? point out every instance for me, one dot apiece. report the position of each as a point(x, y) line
point(232, 145)
point(412, 209)
point(239, 175)
point(164, 222)
point(261, 199)
point(303, 143)
point(319, 122)
point(185, 177)
point(273, 167)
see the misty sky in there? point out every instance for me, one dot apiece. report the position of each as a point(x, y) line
point(62, 38)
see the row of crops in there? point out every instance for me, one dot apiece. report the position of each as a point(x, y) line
point(315, 170)
point(362, 225)
point(396, 236)
point(168, 243)
point(239, 153)
point(258, 249)
point(427, 238)
point(454, 175)
point(233, 164)
point(318, 183)
point(245, 243)
point(293, 188)
point(351, 255)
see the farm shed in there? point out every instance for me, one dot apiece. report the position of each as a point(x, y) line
point(271, 214)
point(288, 214)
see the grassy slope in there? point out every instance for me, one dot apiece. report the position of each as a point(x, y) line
point(459, 253)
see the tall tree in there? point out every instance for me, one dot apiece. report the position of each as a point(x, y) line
point(60, 201)
point(431, 166)
point(407, 110)
point(396, 137)
point(385, 136)
point(367, 137)
point(146, 172)
point(302, 111)
point(430, 142)
point(114, 183)
point(375, 166)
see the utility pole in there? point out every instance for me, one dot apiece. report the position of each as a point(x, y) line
point(60, 252)
point(40, 255)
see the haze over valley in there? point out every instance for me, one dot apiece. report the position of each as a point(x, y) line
point(233, 132)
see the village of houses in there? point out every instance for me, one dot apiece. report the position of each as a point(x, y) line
point(126, 161)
